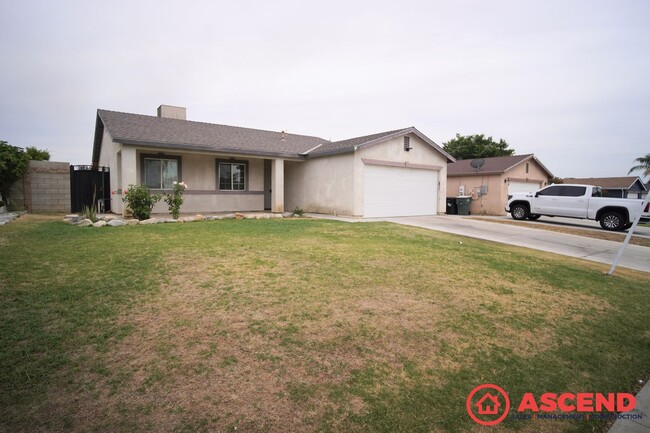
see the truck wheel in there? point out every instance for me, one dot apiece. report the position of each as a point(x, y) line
point(612, 221)
point(534, 217)
point(519, 212)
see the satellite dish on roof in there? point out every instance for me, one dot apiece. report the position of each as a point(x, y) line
point(477, 164)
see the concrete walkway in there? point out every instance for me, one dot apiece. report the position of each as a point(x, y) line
point(596, 250)
point(638, 419)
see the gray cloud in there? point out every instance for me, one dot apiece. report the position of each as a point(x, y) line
point(566, 80)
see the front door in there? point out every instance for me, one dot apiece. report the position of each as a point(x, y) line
point(545, 201)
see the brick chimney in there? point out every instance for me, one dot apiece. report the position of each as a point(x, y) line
point(171, 112)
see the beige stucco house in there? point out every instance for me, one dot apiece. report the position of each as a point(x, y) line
point(227, 168)
point(490, 185)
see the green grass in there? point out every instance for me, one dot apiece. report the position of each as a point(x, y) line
point(298, 325)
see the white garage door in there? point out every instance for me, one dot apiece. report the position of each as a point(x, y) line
point(514, 187)
point(397, 191)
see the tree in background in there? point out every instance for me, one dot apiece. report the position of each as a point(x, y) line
point(476, 146)
point(13, 163)
point(644, 165)
point(34, 154)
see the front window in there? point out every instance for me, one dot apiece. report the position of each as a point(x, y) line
point(160, 173)
point(232, 176)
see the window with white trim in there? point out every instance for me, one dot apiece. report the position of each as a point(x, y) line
point(232, 176)
point(160, 172)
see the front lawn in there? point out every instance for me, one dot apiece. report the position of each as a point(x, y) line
point(299, 325)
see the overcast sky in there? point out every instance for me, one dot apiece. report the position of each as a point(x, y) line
point(566, 80)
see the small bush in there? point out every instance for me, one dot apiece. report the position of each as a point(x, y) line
point(298, 212)
point(140, 201)
point(175, 199)
point(89, 213)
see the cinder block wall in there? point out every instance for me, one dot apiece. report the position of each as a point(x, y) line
point(47, 186)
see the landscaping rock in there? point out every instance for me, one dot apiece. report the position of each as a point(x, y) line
point(149, 221)
point(166, 220)
point(8, 217)
point(108, 218)
point(116, 223)
point(187, 219)
point(287, 215)
point(276, 215)
point(199, 217)
point(229, 216)
point(131, 222)
point(239, 216)
point(213, 217)
point(72, 219)
point(100, 223)
point(84, 223)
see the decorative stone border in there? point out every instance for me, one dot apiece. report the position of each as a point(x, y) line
point(116, 221)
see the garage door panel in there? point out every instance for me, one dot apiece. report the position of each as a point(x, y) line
point(519, 187)
point(397, 191)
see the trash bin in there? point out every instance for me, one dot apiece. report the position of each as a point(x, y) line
point(452, 208)
point(463, 205)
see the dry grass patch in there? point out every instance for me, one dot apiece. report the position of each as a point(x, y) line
point(297, 326)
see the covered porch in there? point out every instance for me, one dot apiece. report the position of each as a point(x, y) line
point(216, 182)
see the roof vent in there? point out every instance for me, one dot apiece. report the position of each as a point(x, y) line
point(171, 112)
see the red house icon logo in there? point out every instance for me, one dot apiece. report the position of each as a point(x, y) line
point(488, 405)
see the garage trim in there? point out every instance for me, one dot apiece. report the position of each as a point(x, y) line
point(400, 164)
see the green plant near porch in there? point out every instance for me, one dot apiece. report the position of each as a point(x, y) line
point(175, 199)
point(139, 199)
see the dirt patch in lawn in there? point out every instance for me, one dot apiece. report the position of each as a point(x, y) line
point(270, 344)
point(608, 236)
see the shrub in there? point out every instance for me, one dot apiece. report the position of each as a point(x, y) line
point(139, 199)
point(89, 213)
point(175, 199)
point(298, 212)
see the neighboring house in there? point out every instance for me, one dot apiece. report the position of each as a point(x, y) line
point(619, 187)
point(227, 168)
point(490, 185)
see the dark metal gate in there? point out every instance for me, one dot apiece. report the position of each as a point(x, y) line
point(90, 187)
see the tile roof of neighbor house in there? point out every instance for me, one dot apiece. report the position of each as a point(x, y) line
point(623, 182)
point(494, 165)
point(138, 129)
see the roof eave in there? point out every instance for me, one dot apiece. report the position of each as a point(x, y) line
point(474, 173)
point(97, 143)
point(180, 147)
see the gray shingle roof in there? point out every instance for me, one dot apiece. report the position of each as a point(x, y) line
point(163, 132)
point(138, 129)
point(494, 165)
point(351, 144)
point(336, 146)
point(623, 182)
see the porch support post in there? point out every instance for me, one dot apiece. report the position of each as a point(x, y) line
point(277, 185)
point(128, 171)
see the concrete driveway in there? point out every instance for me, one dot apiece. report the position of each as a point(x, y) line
point(573, 223)
point(597, 250)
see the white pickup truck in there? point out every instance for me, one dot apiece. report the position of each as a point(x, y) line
point(577, 201)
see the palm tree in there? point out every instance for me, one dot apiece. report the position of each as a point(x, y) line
point(644, 165)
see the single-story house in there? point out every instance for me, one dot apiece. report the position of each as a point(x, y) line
point(227, 168)
point(491, 183)
point(618, 187)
